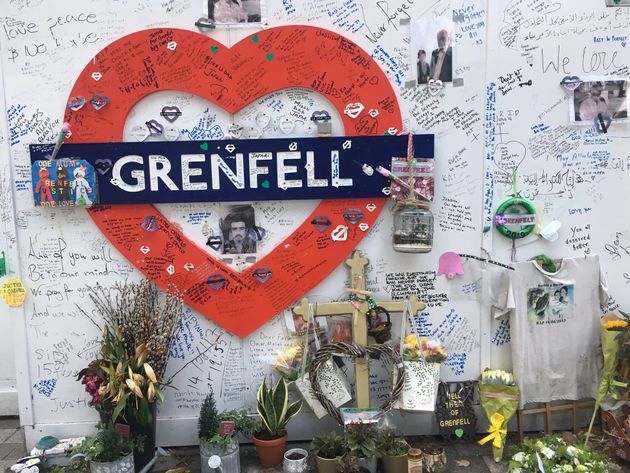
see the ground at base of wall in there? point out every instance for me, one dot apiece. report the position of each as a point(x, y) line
point(465, 457)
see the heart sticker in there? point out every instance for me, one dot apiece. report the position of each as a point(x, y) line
point(363, 226)
point(263, 119)
point(97, 76)
point(371, 207)
point(286, 125)
point(373, 113)
point(99, 101)
point(231, 91)
point(321, 116)
point(459, 433)
point(139, 133)
point(435, 86)
point(230, 148)
point(214, 242)
point(353, 216)
point(214, 49)
point(145, 250)
point(203, 146)
point(321, 223)
point(353, 109)
point(265, 184)
point(103, 165)
point(170, 114)
point(216, 281)
point(602, 123)
point(171, 133)
point(172, 45)
point(262, 274)
point(340, 233)
point(571, 83)
point(76, 103)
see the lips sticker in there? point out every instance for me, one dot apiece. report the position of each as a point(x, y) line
point(353, 110)
point(150, 223)
point(320, 223)
point(216, 281)
point(353, 215)
point(262, 274)
point(320, 116)
point(99, 101)
point(155, 127)
point(571, 82)
point(170, 114)
point(214, 242)
point(76, 103)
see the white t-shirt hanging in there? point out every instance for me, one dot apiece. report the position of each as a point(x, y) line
point(554, 324)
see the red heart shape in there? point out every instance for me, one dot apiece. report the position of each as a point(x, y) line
point(138, 64)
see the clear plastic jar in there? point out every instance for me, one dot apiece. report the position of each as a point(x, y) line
point(413, 227)
point(414, 460)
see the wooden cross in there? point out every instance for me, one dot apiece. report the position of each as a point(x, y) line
point(357, 266)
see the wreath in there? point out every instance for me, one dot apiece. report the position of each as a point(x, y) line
point(356, 351)
point(512, 212)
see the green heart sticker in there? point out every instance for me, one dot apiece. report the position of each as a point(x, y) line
point(255, 38)
point(459, 433)
point(214, 49)
point(265, 184)
point(269, 56)
point(204, 146)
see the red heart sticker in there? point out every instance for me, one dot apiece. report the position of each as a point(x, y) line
point(231, 80)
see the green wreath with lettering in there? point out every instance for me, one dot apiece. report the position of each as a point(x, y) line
point(509, 207)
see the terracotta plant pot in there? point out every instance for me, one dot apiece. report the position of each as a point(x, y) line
point(326, 465)
point(270, 452)
point(395, 464)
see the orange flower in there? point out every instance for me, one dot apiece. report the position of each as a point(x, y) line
point(615, 325)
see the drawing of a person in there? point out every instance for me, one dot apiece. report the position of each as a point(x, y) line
point(44, 187)
point(81, 187)
point(594, 104)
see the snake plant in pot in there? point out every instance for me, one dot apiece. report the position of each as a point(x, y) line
point(275, 412)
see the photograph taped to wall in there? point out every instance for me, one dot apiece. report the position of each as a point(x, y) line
point(607, 97)
point(432, 49)
point(234, 12)
point(296, 324)
point(239, 230)
point(618, 3)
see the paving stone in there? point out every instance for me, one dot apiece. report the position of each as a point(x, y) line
point(494, 467)
point(11, 451)
point(5, 434)
point(9, 423)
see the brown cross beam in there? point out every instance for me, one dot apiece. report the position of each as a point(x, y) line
point(357, 265)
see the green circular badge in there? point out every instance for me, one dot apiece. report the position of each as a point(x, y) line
point(515, 218)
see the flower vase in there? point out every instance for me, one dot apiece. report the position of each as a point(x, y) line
point(295, 461)
point(142, 457)
point(230, 457)
point(122, 465)
point(434, 459)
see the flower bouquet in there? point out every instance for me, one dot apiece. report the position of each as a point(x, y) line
point(499, 397)
point(422, 358)
point(288, 363)
point(554, 455)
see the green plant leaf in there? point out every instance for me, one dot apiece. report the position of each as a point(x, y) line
point(280, 400)
point(120, 406)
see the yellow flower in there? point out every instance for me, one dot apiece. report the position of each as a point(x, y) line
point(615, 324)
point(150, 392)
point(134, 387)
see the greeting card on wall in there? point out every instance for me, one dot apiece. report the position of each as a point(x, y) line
point(63, 183)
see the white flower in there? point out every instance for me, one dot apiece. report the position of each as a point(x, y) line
point(519, 457)
point(546, 451)
point(572, 451)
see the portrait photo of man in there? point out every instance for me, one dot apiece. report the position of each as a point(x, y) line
point(431, 44)
point(229, 12)
point(238, 228)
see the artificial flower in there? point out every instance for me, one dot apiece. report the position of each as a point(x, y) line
point(615, 325)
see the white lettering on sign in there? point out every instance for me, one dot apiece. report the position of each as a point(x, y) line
point(135, 174)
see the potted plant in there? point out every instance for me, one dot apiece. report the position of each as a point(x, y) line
point(327, 448)
point(393, 451)
point(108, 452)
point(347, 464)
point(216, 435)
point(361, 443)
point(125, 382)
point(275, 412)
